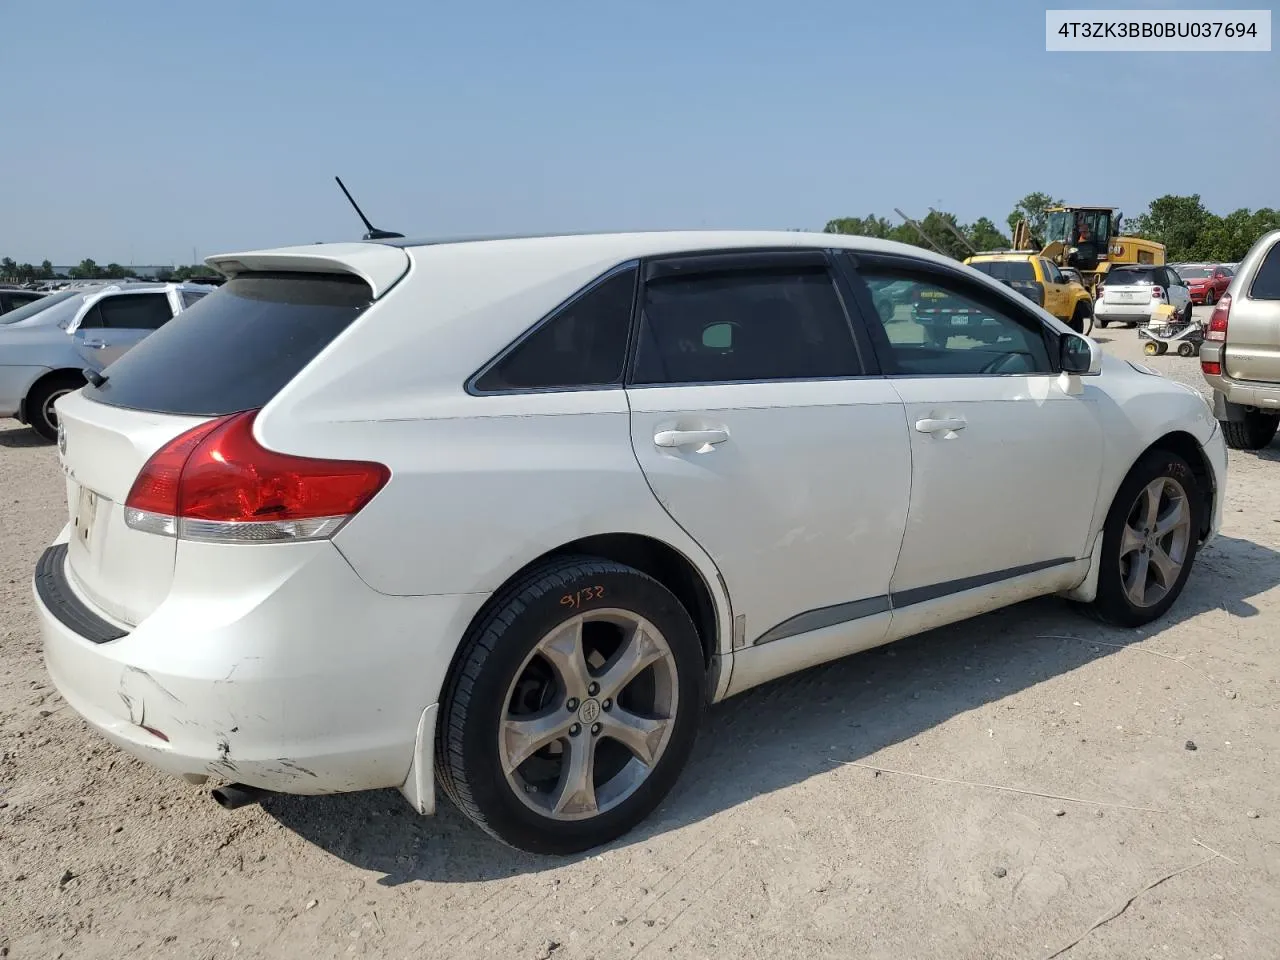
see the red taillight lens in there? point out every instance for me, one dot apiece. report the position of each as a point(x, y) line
point(216, 482)
point(1157, 293)
point(1218, 321)
point(1211, 367)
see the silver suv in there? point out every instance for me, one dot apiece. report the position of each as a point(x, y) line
point(46, 346)
point(1240, 356)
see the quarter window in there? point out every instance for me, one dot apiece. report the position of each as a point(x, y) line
point(1266, 285)
point(780, 323)
point(583, 344)
point(954, 329)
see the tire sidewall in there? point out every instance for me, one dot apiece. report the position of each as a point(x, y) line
point(505, 814)
point(1112, 600)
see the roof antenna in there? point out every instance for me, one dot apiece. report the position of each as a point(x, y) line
point(374, 233)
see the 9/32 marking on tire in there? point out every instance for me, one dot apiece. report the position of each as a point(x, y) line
point(578, 598)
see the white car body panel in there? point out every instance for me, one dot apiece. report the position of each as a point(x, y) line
point(317, 667)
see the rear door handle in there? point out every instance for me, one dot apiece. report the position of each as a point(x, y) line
point(689, 438)
point(941, 426)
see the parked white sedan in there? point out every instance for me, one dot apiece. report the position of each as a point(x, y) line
point(506, 514)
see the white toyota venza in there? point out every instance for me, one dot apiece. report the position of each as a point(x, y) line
point(506, 514)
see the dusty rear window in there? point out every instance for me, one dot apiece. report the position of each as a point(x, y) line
point(236, 348)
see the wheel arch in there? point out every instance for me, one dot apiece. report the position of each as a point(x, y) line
point(1187, 447)
point(50, 376)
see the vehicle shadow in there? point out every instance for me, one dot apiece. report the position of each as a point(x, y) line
point(22, 437)
point(795, 728)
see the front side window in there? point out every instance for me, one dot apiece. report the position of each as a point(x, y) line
point(958, 329)
point(780, 323)
point(583, 344)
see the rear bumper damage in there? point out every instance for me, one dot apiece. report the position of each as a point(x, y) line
point(312, 684)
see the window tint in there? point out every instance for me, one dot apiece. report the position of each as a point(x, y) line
point(1122, 276)
point(236, 348)
point(583, 344)
point(1266, 285)
point(956, 329)
point(1006, 269)
point(765, 324)
point(138, 311)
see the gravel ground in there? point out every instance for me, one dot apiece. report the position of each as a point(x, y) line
point(1073, 741)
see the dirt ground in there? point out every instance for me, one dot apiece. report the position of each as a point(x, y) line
point(1074, 744)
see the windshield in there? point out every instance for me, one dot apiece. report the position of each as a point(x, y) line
point(1006, 269)
point(35, 306)
point(1194, 273)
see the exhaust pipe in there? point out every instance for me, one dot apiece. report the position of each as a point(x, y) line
point(233, 796)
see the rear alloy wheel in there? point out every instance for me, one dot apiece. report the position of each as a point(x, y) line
point(572, 708)
point(1149, 541)
point(41, 416)
point(1254, 432)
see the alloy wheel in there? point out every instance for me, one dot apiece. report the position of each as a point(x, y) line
point(1155, 542)
point(589, 714)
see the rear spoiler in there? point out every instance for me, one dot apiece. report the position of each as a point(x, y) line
point(378, 264)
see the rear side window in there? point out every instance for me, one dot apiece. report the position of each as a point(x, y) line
point(765, 324)
point(1123, 276)
point(1266, 285)
point(236, 348)
point(189, 297)
point(138, 311)
point(582, 344)
point(1006, 269)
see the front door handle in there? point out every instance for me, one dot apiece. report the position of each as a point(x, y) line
point(945, 425)
point(689, 438)
point(96, 344)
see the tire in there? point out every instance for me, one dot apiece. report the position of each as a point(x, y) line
point(1254, 432)
point(506, 670)
point(1186, 349)
point(39, 407)
point(1190, 313)
point(1082, 319)
point(1099, 322)
point(1151, 348)
point(1209, 298)
point(1118, 582)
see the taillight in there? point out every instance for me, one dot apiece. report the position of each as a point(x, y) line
point(1157, 293)
point(1211, 367)
point(1218, 321)
point(217, 483)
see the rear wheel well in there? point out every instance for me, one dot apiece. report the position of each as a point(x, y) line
point(665, 564)
point(1188, 448)
point(67, 374)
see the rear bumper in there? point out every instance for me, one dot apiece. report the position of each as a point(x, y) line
point(313, 684)
point(1262, 396)
point(1122, 313)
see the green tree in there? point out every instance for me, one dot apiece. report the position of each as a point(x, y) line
point(1032, 209)
point(1177, 222)
point(868, 226)
point(86, 270)
point(8, 268)
point(46, 270)
point(984, 235)
point(194, 270)
point(25, 272)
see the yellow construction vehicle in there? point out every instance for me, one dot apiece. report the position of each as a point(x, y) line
point(1089, 239)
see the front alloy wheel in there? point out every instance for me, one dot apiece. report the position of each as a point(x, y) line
point(1154, 542)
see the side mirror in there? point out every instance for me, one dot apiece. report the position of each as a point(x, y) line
point(1079, 355)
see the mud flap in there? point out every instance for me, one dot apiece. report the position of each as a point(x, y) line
point(1087, 590)
point(419, 787)
point(1225, 411)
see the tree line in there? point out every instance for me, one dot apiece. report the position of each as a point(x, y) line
point(1189, 231)
point(89, 270)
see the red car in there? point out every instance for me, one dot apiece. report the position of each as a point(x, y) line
point(1208, 282)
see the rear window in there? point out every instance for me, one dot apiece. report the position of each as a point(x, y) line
point(1266, 285)
point(1124, 276)
point(29, 310)
point(1006, 269)
point(236, 348)
point(1194, 273)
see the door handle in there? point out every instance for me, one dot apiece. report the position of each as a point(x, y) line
point(941, 426)
point(689, 438)
point(96, 344)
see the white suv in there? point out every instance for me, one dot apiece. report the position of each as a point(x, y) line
point(1131, 294)
point(506, 514)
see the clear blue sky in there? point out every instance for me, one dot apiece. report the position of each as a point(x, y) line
point(147, 128)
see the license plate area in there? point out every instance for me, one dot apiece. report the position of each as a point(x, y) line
point(86, 516)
